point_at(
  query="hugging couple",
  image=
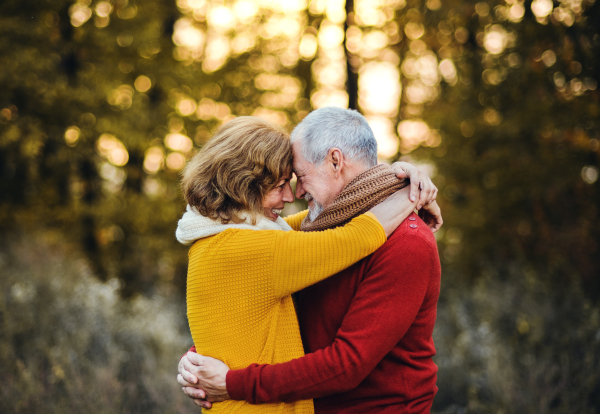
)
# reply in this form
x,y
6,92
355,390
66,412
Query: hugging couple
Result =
x,y
330,310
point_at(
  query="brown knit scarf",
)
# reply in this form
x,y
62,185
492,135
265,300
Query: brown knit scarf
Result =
x,y
359,196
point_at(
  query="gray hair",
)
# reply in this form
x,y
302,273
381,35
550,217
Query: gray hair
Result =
x,y
332,127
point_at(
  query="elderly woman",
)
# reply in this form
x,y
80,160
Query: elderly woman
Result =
x,y
246,261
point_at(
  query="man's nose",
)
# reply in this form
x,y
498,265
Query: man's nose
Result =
x,y
288,194
299,190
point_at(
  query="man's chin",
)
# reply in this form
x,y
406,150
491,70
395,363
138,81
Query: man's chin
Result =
x,y
314,211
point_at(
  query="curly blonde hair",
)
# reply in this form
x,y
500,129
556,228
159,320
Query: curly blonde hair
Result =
x,y
236,168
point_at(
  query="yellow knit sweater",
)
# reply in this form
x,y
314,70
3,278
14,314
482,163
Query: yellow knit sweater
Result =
x,y
239,285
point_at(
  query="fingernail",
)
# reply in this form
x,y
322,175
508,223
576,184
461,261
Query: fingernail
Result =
x,y
412,198
419,207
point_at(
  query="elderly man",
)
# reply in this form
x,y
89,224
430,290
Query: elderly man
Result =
x,y
367,331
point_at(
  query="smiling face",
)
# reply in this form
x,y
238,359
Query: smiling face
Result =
x,y
315,184
275,199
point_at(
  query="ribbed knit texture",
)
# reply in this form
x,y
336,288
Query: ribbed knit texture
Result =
x,y
238,292
360,195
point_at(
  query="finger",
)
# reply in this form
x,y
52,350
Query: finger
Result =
x,y
194,358
190,378
435,193
399,170
188,372
184,383
430,191
414,190
194,392
426,187
421,201
195,363
202,403
401,173
427,190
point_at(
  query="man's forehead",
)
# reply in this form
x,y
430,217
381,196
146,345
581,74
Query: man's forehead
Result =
x,y
300,164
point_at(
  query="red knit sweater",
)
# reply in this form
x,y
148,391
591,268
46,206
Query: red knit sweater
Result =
x,y
367,333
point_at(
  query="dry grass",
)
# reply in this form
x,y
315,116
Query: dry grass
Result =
x,y
70,344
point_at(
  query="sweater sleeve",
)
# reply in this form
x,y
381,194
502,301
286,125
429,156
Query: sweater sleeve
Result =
x,y
384,307
304,258
295,220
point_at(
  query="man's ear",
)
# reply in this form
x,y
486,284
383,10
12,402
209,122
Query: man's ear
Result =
x,y
336,160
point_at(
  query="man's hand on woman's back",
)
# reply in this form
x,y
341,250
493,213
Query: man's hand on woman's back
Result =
x,y
423,189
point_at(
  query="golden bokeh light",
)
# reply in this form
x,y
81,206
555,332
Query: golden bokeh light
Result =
x,y
461,34
308,46
467,129
322,98
206,109
79,13
383,129
178,142
72,135
379,88
186,35
142,83
277,117
371,13
414,30
589,173
495,39
217,52
245,9
482,9
121,97
128,12
549,57
153,160
175,161
448,71
354,39
6,113
492,116
186,107
418,92
330,35
434,5
243,42
111,148
413,132
222,111
104,9
221,18
113,177
124,39
372,43
542,8
516,12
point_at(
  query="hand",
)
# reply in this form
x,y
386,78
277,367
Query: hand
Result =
x,y
418,181
432,216
392,211
189,382
203,379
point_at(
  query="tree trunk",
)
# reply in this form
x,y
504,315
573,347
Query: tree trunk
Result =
x,y
352,78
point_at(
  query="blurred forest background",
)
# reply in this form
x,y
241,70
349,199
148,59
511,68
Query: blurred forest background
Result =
x,y
102,102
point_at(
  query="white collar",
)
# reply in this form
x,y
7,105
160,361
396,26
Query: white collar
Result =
x,y
193,226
